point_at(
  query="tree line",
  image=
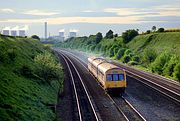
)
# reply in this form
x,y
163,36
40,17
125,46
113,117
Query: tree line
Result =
x,y
116,47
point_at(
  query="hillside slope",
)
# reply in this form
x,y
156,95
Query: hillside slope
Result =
x,y
24,95
160,42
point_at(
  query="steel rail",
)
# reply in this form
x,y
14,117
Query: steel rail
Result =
x,y
75,91
116,105
178,101
87,94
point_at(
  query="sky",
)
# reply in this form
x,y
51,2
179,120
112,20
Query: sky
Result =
x,y
89,16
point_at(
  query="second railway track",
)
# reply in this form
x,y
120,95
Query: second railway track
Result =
x,y
172,94
85,108
131,113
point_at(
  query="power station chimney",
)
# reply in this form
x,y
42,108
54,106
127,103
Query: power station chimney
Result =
x,y
45,30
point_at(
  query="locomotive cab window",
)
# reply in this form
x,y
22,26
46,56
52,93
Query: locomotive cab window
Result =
x,y
121,77
115,77
109,77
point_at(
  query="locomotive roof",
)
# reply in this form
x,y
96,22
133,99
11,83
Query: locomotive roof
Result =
x,y
102,64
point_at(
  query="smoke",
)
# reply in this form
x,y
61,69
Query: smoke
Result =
x,y
15,28
25,27
73,30
6,28
61,30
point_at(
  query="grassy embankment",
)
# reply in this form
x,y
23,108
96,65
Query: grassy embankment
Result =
x,y
25,90
156,52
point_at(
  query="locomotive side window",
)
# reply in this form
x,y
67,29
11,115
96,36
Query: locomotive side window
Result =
x,y
109,77
121,77
115,77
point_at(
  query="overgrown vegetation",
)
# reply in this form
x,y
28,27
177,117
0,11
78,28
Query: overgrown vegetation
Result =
x,y
26,89
158,51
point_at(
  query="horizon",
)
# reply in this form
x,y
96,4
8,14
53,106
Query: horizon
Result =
x,y
90,16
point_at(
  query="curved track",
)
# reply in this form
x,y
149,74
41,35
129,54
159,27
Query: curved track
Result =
x,y
160,84
85,107
122,105
169,88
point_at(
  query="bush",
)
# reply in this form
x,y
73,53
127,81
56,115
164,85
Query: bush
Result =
x,y
11,54
126,58
98,48
99,37
136,58
115,50
112,50
129,35
176,73
148,31
47,67
26,71
132,63
158,65
169,67
92,48
149,56
1,56
120,53
109,34
160,30
128,52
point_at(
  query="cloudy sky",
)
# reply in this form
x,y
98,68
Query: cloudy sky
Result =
x,y
89,16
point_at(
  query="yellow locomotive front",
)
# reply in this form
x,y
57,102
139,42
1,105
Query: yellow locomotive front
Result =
x,y
111,77
115,81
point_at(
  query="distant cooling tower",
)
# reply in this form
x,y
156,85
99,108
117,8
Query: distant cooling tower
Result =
x,y
73,33
22,33
13,32
6,31
61,33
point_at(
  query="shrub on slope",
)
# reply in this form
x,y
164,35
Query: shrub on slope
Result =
x,y
23,96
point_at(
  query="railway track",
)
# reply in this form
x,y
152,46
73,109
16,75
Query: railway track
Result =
x,y
131,113
85,108
123,106
170,89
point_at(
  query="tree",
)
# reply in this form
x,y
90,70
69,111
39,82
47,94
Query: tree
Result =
x,y
120,53
160,30
148,31
47,67
129,35
149,56
126,58
116,35
99,37
154,28
109,34
35,37
160,62
176,73
169,67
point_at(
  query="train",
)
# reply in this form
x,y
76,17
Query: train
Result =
x,y
111,77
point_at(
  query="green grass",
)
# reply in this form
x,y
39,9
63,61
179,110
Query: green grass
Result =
x,y
159,42
22,97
